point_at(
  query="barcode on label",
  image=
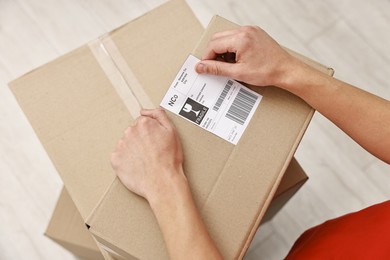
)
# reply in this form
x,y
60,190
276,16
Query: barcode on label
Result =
x,y
241,106
226,89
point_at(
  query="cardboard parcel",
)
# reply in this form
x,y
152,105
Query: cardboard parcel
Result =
x,y
67,228
80,104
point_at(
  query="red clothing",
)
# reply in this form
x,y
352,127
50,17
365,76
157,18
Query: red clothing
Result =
x,y
361,235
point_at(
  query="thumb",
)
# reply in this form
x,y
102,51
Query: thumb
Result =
x,y
214,67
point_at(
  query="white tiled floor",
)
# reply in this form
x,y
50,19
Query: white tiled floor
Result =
x,y
351,36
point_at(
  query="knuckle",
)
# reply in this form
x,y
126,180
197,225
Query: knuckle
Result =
x,y
217,70
160,112
120,145
215,36
245,28
145,124
214,69
128,134
256,28
171,130
114,160
250,28
143,120
245,40
128,131
246,35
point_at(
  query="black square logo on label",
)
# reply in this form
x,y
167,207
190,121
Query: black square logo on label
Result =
x,y
193,111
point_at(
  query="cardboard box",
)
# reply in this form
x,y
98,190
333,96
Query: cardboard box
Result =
x,y
79,105
292,181
67,228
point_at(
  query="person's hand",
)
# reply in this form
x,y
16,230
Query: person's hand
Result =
x,y
149,155
148,160
252,57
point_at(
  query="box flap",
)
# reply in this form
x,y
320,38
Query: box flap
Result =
x,y
70,109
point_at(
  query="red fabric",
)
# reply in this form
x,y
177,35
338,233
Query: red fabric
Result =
x,y
361,235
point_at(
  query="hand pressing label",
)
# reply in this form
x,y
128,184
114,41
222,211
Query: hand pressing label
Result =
x,y
218,104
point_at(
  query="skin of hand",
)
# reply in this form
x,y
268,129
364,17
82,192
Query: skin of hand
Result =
x,y
148,154
149,162
260,61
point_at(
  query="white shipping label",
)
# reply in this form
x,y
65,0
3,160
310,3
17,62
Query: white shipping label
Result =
x,y
218,104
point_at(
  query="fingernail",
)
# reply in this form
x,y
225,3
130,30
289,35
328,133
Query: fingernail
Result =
x,y
200,68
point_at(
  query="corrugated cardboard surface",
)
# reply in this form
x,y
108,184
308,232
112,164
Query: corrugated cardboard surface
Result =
x,y
78,116
70,108
292,180
68,229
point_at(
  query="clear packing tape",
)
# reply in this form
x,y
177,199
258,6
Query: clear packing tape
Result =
x,y
120,75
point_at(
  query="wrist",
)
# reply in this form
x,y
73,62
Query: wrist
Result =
x,y
305,82
174,185
290,74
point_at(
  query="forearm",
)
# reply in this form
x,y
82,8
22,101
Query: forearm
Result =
x,y
363,116
184,232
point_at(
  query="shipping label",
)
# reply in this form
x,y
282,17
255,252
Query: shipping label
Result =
x,y
218,104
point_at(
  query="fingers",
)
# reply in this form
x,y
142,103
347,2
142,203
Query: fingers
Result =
x,y
219,68
228,41
220,45
159,115
230,44
224,44
225,33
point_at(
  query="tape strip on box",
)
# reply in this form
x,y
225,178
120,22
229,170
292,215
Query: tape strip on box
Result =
x,y
120,75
